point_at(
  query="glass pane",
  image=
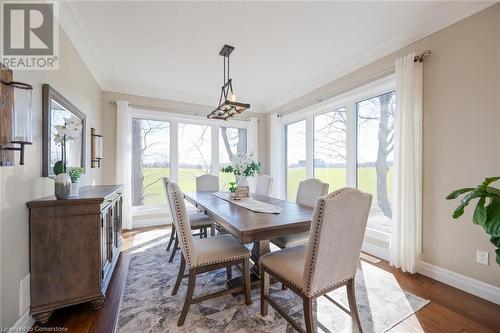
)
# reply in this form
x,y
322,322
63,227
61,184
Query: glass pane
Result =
x,y
375,154
295,157
194,154
151,143
330,149
232,141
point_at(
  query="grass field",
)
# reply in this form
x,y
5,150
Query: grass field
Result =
x,y
336,177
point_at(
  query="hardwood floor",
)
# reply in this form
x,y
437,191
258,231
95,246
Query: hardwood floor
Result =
x,y
450,309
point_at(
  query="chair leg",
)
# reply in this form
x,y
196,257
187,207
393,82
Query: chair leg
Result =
x,y
205,232
189,296
212,230
351,296
308,314
201,233
264,291
229,272
246,277
180,275
174,250
172,237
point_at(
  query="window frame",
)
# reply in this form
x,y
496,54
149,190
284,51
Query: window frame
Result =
x,y
348,98
175,118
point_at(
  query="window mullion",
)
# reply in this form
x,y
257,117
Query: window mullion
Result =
x,y
215,150
174,151
309,146
351,144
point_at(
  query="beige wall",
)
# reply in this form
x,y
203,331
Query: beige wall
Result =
x,y
461,136
20,184
109,124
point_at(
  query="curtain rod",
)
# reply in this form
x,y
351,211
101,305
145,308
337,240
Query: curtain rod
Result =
x,y
151,108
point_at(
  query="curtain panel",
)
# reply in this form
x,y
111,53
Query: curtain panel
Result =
x,y
406,238
124,158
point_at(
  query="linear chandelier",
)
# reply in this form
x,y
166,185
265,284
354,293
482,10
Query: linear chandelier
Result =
x,y
228,106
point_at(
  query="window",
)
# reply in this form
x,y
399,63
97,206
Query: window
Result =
x,y
195,157
295,157
232,141
375,159
151,144
330,148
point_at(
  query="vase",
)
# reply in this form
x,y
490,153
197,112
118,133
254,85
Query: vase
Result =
x,y
74,190
62,186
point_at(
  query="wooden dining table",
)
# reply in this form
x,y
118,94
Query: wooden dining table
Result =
x,y
253,227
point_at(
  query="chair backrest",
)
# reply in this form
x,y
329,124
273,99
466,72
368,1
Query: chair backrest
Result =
x,y
207,183
310,190
165,181
264,185
182,224
337,232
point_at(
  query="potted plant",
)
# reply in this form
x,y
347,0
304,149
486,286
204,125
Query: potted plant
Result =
x,y
74,175
487,211
69,131
243,166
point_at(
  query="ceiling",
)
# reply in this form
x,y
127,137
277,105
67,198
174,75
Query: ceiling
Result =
x,y
283,49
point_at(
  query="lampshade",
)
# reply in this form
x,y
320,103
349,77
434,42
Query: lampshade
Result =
x,y
22,131
98,147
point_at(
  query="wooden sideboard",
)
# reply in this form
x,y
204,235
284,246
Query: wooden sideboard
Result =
x,y
74,246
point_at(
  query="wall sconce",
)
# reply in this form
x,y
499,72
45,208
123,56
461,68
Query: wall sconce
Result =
x,y
15,117
96,151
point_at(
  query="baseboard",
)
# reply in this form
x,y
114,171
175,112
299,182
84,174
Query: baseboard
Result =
x,y
375,250
462,282
23,324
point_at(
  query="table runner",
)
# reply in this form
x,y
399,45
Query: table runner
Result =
x,y
250,203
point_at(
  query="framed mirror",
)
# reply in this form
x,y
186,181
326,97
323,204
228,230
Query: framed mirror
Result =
x,y
63,132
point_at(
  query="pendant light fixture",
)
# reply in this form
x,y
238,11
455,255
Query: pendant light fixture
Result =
x,y
228,106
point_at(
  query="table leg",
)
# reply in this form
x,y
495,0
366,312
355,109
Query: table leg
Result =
x,y
259,249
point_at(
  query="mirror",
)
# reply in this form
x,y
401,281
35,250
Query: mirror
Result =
x,y
63,132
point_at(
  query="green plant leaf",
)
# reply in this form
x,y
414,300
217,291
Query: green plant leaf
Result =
x,y
465,201
497,251
479,216
489,180
455,194
492,225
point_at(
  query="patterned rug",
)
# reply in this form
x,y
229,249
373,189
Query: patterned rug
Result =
x,y
147,304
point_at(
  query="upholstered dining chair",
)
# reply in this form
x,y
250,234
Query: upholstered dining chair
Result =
x,y
203,255
199,221
329,260
264,185
308,192
207,183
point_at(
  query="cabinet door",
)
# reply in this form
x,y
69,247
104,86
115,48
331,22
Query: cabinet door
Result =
x,y
103,247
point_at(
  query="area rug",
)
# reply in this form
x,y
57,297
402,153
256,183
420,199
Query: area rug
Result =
x,y
147,304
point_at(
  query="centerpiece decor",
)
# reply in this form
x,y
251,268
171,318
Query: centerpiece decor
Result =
x,y
243,166
69,131
487,211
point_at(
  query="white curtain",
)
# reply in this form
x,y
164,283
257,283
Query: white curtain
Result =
x,y
124,158
406,242
276,154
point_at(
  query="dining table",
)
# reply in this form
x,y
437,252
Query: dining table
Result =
x,y
251,227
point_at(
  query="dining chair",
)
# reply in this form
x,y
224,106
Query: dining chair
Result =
x,y
207,183
203,255
327,262
264,185
307,194
199,221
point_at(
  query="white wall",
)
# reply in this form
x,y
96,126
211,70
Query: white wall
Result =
x,y
20,184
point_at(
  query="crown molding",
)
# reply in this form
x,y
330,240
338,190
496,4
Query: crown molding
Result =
x,y
71,24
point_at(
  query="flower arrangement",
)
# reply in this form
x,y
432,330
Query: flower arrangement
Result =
x,y
243,165
69,131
